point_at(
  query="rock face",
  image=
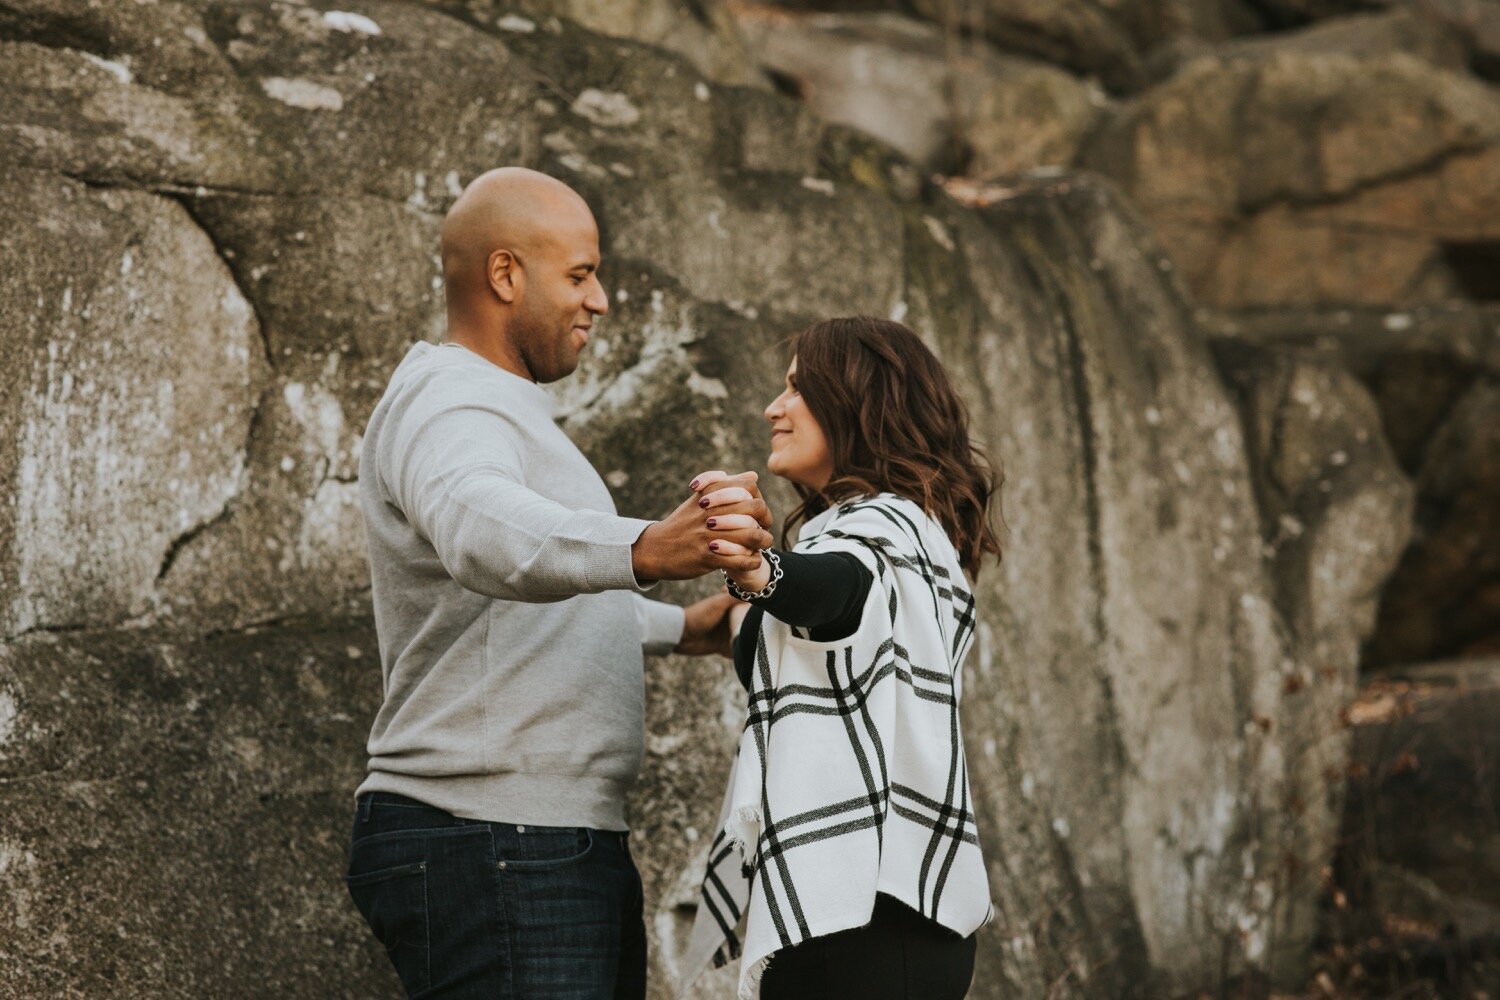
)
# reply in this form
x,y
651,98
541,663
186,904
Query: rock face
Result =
x,y
1446,594
1420,838
952,106
1290,177
1148,697
1109,41
132,372
176,813
1433,376
700,31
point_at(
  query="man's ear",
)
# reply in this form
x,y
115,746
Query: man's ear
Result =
x,y
504,273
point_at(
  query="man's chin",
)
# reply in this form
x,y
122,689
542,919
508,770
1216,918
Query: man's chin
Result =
x,y
561,372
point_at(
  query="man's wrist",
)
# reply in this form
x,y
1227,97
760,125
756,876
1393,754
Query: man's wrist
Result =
x,y
642,557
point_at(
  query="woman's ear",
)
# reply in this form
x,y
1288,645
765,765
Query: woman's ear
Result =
x,y
504,273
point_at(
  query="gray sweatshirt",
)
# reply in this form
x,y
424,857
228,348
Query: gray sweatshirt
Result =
x,y
510,633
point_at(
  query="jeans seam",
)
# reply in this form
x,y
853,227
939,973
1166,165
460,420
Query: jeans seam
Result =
x,y
426,933
508,973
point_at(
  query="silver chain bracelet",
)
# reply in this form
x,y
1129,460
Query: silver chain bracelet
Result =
x,y
734,589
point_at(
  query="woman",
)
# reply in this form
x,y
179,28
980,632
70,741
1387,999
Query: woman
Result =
x,y
848,862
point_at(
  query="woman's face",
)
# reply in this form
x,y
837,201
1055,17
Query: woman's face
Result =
x,y
799,448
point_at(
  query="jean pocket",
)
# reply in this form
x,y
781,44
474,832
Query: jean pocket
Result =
x,y
543,848
393,902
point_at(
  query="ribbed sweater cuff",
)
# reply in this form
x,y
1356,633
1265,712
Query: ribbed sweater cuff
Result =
x,y
609,563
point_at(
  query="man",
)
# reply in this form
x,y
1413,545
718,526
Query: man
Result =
x,y
489,853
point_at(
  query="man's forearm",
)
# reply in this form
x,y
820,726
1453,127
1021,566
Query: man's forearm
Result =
x,y
537,551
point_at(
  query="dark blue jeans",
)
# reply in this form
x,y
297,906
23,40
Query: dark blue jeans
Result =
x,y
469,909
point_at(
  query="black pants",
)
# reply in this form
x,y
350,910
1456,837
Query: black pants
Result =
x,y
898,955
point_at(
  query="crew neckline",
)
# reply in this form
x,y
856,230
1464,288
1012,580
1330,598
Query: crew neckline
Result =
x,y
459,350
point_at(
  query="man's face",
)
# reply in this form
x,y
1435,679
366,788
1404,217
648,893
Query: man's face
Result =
x,y
559,300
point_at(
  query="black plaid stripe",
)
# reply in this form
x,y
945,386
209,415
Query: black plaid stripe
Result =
x,y
857,738
796,699
726,909
963,819
926,815
959,814
761,729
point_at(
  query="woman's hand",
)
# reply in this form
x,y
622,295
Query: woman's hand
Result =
x,y
736,620
709,626
725,500
681,546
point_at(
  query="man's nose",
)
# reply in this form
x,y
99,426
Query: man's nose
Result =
x,y
597,301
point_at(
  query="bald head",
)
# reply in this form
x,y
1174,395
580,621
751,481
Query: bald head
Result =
x,y
520,252
511,208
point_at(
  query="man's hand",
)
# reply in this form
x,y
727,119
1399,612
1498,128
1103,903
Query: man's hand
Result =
x,y
706,628
683,545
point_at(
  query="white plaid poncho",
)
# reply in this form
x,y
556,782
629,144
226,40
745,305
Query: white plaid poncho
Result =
x,y
850,777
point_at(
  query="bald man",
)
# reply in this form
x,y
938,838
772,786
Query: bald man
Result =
x,y
489,852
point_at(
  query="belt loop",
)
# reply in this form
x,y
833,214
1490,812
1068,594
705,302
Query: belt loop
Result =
x,y
364,806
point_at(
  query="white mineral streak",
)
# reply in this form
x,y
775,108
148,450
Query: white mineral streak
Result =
x,y
343,20
321,416
332,535
939,233
118,70
516,23
8,715
304,94
612,110
705,386
18,874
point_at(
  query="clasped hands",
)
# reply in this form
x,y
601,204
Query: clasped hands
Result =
x,y
722,525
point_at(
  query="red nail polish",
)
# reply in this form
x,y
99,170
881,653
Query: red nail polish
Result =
x,y
712,522
693,485
703,502
713,546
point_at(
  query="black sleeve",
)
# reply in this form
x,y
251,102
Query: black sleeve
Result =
x,y
823,592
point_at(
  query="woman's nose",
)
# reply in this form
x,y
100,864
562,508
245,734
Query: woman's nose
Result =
x,y
773,411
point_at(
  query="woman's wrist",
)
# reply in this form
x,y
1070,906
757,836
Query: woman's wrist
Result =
x,y
749,585
752,580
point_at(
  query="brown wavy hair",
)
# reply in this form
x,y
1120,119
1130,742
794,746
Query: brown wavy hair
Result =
x,y
895,425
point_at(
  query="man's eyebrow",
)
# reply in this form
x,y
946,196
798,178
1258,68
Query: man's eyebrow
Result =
x,y
585,266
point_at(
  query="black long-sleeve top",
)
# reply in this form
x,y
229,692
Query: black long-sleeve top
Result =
x,y
824,592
